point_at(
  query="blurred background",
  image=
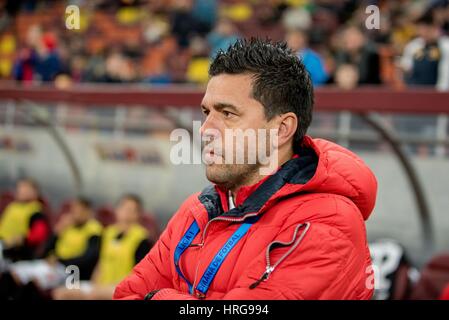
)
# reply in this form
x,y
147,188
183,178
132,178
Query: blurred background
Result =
x,y
89,110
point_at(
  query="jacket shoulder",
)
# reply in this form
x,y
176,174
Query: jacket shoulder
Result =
x,y
189,204
190,208
336,212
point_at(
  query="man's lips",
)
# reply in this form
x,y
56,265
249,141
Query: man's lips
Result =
x,y
211,155
212,151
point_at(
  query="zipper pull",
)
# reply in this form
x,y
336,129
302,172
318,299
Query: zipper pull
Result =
x,y
264,277
194,245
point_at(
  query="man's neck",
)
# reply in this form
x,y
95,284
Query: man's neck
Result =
x,y
124,226
256,176
82,222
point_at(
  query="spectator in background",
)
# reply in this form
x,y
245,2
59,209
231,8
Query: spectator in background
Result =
x,y
8,11
24,66
223,36
355,49
123,245
184,24
425,60
39,60
205,12
154,28
76,239
198,68
440,10
23,225
297,40
95,67
119,68
76,242
346,76
7,52
48,64
296,18
403,30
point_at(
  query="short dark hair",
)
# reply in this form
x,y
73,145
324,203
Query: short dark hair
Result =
x,y
84,201
135,198
281,82
31,182
426,19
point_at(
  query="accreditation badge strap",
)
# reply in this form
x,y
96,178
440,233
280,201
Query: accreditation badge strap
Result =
x,y
214,266
216,263
182,246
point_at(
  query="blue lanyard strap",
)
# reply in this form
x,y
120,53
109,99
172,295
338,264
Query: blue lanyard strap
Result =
x,y
182,246
217,261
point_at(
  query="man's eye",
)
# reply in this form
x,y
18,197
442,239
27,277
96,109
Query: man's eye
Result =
x,y
227,114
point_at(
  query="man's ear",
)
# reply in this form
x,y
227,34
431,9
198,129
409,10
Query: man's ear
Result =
x,y
287,125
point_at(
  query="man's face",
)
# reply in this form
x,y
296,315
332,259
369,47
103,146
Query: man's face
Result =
x,y
296,41
79,213
228,105
127,211
25,191
353,40
428,32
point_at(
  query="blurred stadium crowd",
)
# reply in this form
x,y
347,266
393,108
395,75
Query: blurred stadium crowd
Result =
x,y
171,41
40,248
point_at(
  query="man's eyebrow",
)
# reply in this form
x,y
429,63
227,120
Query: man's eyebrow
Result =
x,y
222,105
219,106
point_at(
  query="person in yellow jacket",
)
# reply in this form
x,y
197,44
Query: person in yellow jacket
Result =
x,y
23,225
123,245
75,244
76,239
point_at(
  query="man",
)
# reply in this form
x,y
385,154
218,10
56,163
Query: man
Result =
x,y
425,60
297,233
76,243
123,244
23,225
355,49
76,239
297,40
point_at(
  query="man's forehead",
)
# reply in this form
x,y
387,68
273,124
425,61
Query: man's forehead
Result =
x,y
230,89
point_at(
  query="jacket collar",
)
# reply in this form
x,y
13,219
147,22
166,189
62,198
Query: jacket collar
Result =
x,y
254,198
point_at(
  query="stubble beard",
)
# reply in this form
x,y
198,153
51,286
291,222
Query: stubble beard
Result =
x,y
231,176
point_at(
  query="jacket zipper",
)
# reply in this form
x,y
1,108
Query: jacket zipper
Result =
x,y
270,268
203,240
223,219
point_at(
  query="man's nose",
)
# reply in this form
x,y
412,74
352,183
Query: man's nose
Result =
x,y
209,125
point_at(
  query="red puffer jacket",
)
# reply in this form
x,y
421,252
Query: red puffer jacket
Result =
x,y
297,234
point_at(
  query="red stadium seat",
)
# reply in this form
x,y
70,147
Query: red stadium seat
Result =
x,y
63,208
434,278
149,222
105,215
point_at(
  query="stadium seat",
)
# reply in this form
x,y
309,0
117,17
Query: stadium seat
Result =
x,y
105,215
434,278
63,208
149,222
